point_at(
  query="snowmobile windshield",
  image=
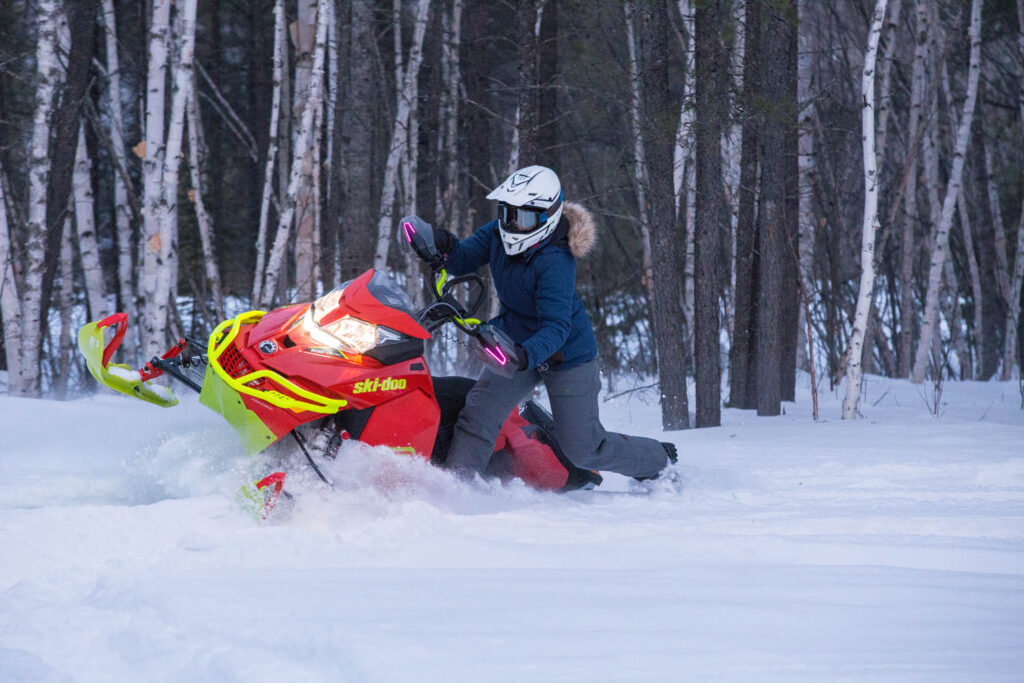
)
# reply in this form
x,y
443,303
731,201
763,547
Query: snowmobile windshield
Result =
x,y
387,291
328,302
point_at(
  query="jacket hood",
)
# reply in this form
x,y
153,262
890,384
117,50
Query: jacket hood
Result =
x,y
582,229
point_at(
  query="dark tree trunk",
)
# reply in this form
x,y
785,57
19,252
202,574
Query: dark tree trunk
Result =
x,y
529,81
547,107
772,220
711,110
64,143
659,128
790,293
742,385
359,206
477,36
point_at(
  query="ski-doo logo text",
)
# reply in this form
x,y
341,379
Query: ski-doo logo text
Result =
x,y
369,386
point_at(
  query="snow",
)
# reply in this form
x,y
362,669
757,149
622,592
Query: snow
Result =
x,y
886,549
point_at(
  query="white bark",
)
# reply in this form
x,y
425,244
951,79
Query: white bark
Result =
x,y
202,216
303,141
153,251
410,159
807,169
967,369
85,227
304,36
683,150
867,250
268,174
399,136
10,308
333,78
48,72
939,248
122,216
639,158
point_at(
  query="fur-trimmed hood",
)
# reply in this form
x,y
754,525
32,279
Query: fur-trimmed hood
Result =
x,y
582,231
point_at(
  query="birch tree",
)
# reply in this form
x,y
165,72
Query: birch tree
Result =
x,y
202,215
122,216
939,248
399,136
304,37
268,173
48,75
303,141
155,254
870,225
85,231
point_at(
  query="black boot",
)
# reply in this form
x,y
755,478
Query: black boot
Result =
x,y
673,458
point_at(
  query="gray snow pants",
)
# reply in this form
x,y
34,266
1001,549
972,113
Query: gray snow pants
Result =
x,y
573,396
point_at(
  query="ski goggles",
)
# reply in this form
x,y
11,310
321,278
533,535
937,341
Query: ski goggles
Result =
x,y
523,219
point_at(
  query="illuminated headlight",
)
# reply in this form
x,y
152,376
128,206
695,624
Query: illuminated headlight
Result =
x,y
349,334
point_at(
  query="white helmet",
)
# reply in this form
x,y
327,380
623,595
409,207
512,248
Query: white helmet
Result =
x,y
529,207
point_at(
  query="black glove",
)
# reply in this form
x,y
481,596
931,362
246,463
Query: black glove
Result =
x,y
445,241
524,358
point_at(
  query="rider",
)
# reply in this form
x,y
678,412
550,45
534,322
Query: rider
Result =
x,y
532,249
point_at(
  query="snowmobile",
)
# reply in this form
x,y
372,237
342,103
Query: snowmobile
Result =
x,y
349,365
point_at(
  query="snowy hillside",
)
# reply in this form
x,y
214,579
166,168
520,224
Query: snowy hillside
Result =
x,y
886,549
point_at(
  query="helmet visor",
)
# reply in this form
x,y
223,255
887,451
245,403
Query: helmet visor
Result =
x,y
518,219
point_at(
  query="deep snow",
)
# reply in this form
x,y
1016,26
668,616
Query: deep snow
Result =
x,y
886,549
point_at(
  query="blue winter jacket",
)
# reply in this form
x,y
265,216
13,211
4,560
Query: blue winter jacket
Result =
x,y
540,309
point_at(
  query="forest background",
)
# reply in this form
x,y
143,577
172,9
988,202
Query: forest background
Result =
x,y
832,185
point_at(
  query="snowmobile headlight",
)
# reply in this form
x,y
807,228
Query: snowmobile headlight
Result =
x,y
350,335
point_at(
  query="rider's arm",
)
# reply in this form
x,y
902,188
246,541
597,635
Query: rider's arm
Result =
x,y
472,252
556,285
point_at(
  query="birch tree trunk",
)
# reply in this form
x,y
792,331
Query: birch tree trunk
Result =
x,y
182,81
303,141
304,37
938,256
202,216
85,227
154,253
122,215
268,173
10,308
867,249
807,169
399,137
48,71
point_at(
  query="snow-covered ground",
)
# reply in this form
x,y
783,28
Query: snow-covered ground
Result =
x,y
886,549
